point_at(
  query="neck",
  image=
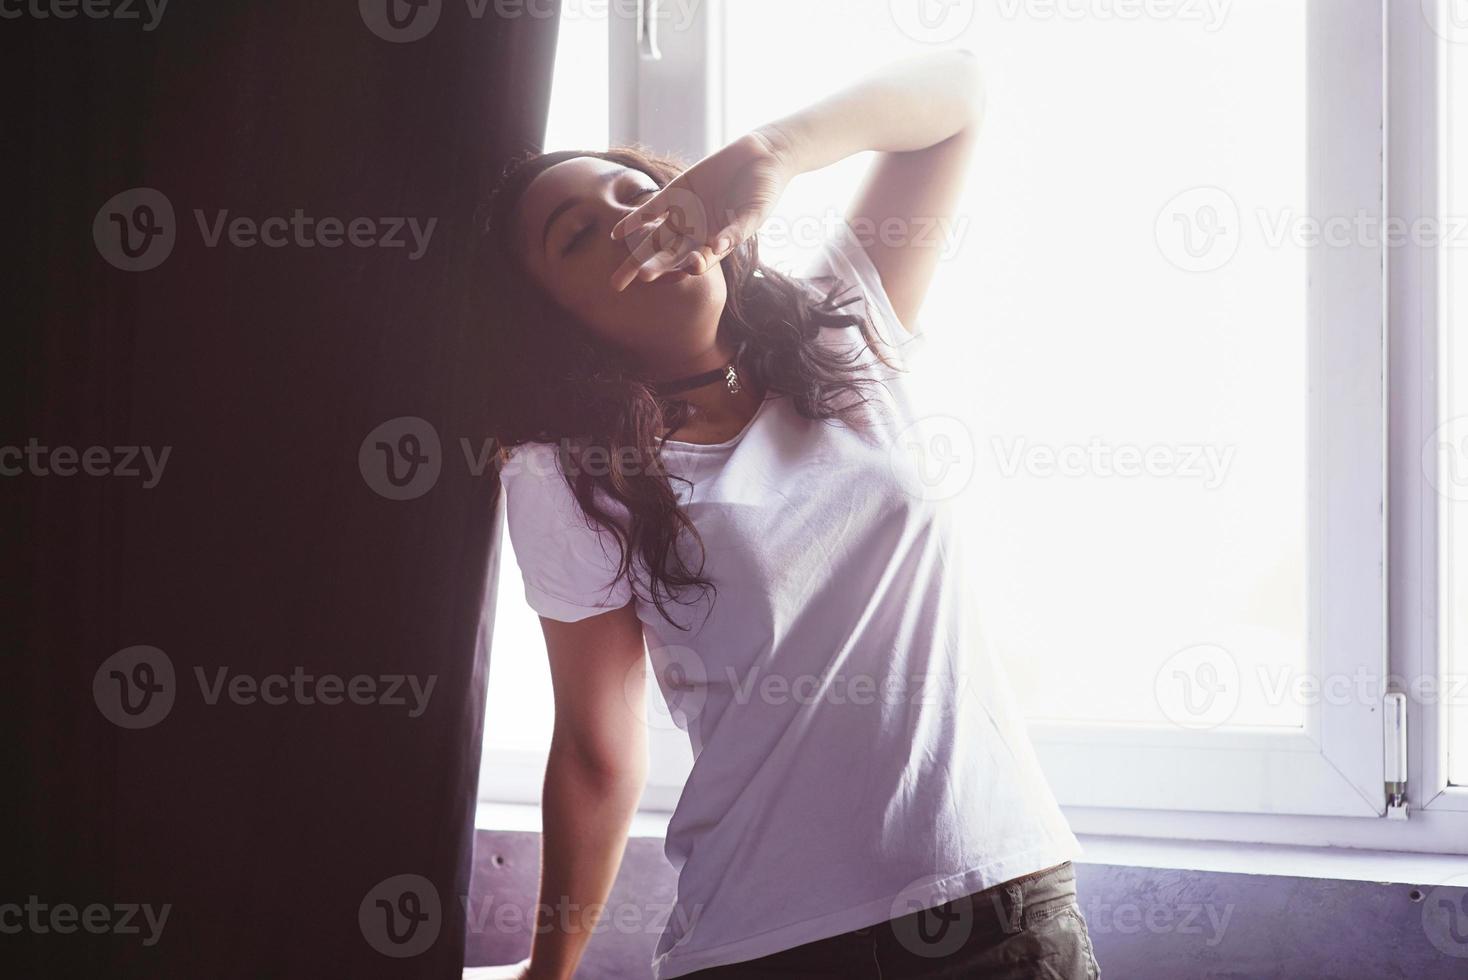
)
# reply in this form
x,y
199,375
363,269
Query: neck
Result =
x,y
718,355
711,401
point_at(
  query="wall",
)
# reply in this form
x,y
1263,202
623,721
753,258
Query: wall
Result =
x,y
1145,923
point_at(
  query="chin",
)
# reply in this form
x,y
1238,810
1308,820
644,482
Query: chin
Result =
x,y
688,298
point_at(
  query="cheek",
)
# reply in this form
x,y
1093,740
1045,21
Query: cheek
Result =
x,y
599,306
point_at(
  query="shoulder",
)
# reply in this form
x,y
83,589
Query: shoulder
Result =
x,y
840,255
534,478
530,462
569,564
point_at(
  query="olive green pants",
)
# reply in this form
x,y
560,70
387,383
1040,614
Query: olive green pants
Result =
x,y
1030,928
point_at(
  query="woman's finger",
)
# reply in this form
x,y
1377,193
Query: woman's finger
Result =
x,y
641,252
660,252
737,231
706,257
645,214
668,260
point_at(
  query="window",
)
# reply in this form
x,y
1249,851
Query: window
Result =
x,y
1167,301
1132,283
1452,438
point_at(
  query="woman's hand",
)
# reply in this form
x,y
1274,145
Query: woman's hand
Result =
x,y
708,210
511,971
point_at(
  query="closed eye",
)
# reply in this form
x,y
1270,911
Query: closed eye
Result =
x,y
585,233
578,238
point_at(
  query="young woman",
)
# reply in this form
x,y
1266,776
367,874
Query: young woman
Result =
x,y
712,461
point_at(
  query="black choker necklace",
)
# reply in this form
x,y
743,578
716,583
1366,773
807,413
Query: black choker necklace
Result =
x,y
728,373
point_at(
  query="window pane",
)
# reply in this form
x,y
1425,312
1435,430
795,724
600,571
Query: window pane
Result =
x,y
579,104
519,709
1120,327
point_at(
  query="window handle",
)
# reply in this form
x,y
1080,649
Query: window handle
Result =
x,y
647,30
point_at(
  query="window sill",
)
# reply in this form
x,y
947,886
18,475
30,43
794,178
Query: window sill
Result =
x,y
525,818
1295,861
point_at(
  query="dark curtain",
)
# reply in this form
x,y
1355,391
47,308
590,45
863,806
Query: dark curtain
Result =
x,y
211,663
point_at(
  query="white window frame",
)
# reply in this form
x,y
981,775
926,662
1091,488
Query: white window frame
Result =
x,y
1374,588
1418,285
1411,280
1335,765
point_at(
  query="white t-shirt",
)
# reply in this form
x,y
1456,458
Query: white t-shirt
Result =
x,y
858,752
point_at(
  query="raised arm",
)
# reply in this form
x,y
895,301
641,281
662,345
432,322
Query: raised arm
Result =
x,y
922,115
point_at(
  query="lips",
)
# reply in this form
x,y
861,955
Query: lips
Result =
x,y
635,241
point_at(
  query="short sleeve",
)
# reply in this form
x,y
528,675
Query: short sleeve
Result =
x,y
841,254
569,565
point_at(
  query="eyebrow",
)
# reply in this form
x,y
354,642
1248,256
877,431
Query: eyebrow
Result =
x,y
606,178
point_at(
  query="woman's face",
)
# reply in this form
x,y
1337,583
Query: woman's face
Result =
x,y
566,217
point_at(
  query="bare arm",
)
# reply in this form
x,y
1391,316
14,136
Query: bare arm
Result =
x,y
923,115
593,780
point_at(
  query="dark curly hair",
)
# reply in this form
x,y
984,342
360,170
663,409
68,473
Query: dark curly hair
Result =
x,y
554,381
